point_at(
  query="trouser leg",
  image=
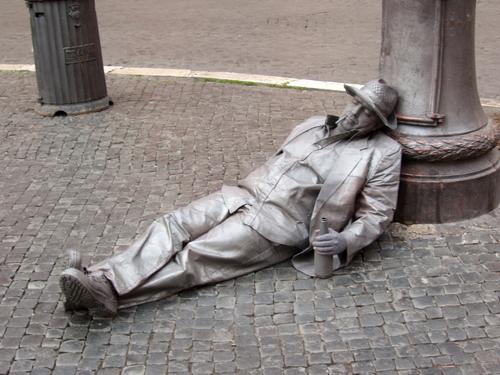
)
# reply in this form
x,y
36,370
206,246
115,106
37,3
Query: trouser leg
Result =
x,y
228,250
163,239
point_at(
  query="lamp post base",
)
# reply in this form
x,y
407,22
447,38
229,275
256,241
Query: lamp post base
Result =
x,y
447,191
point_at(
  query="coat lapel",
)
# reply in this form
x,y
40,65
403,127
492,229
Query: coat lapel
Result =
x,y
344,165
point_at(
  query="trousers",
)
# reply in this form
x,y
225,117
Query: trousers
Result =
x,y
202,243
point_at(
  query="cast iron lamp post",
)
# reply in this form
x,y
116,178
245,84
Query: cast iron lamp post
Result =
x,y
451,167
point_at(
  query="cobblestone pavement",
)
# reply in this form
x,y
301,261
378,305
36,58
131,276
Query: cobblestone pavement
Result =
x,y
423,299
332,40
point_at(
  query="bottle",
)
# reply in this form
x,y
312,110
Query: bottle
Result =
x,y
323,264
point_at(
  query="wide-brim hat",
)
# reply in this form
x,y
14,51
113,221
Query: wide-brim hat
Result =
x,y
378,96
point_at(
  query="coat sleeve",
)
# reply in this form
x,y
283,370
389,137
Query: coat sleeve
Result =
x,y
375,205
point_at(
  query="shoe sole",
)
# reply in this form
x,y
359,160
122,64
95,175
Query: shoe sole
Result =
x,y
79,296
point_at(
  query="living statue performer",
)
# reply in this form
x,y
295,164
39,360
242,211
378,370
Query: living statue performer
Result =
x,y
344,169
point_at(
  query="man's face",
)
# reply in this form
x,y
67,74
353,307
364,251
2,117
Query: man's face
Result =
x,y
358,117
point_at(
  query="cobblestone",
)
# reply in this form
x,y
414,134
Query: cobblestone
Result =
x,y
407,306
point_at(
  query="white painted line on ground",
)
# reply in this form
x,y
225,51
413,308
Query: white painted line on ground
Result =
x,y
155,72
17,67
111,68
226,76
490,103
319,85
242,77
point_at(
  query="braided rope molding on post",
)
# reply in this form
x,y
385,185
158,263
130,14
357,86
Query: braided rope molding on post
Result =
x,y
450,148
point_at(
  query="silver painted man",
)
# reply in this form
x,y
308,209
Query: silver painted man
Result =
x,y
345,170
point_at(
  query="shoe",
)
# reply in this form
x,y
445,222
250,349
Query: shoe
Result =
x,y
88,291
74,259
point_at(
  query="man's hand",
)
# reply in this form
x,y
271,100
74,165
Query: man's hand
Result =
x,y
331,243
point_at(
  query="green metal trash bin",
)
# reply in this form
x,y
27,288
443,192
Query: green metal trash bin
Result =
x,y
68,59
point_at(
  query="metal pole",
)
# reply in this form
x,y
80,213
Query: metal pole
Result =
x,y
451,167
